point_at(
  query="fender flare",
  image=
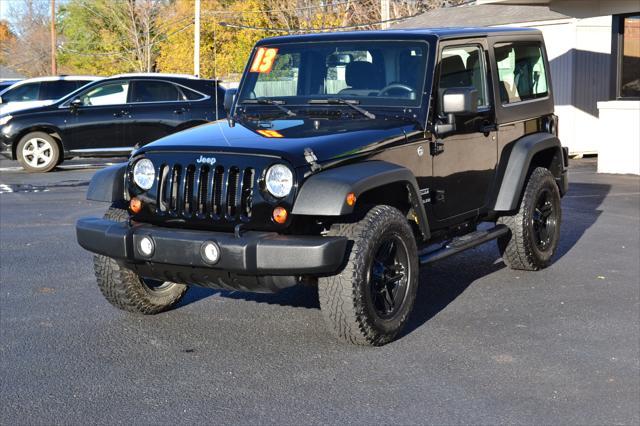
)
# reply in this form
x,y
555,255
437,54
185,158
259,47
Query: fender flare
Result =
x,y
517,168
324,193
108,184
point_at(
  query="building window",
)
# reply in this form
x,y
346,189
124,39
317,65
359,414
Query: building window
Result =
x,y
628,57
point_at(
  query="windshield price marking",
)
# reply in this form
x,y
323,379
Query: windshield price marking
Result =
x,y
263,61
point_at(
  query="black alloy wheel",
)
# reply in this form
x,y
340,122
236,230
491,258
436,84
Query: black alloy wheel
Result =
x,y
388,277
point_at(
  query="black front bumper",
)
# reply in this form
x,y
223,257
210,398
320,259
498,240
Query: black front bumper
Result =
x,y
254,261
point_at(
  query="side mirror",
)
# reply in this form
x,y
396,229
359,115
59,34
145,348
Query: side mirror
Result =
x,y
460,101
229,98
457,101
75,104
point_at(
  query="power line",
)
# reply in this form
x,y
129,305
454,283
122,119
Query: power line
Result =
x,y
301,30
122,52
297,9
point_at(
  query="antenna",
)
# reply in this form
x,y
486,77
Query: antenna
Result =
x,y
215,69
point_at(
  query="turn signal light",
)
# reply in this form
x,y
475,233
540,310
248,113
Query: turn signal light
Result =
x,y
135,205
280,215
351,199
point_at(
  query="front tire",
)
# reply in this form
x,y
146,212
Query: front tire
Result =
x,y
38,152
535,229
126,290
369,301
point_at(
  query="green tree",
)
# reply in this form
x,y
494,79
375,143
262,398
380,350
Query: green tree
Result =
x,y
107,36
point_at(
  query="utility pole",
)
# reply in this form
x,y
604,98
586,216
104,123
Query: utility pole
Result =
x,y
384,14
54,68
196,41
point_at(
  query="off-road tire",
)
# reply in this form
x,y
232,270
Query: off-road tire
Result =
x,y
126,290
345,304
519,249
53,156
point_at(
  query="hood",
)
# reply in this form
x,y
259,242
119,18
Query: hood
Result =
x,y
19,106
330,139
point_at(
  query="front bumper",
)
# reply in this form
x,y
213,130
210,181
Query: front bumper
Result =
x,y
5,145
254,261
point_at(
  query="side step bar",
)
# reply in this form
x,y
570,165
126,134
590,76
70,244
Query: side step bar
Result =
x,y
462,243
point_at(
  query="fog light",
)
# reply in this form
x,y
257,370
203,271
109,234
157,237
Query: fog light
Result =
x,y
280,215
351,199
135,205
210,252
146,246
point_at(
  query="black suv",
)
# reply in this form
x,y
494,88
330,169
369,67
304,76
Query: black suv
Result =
x,y
348,161
109,117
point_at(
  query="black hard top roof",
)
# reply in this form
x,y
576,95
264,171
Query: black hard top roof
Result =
x,y
404,34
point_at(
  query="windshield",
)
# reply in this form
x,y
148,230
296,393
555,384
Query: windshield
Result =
x,y
369,73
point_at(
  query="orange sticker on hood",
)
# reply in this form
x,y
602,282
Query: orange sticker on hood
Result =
x,y
270,133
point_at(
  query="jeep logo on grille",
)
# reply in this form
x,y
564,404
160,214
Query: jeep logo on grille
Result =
x,y
206,160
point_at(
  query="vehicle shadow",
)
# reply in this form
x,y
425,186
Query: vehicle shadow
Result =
x,y
580,211
443,282
299,296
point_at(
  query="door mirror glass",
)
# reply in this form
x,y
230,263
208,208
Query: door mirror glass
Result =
x,y
229,98
460,101
457,101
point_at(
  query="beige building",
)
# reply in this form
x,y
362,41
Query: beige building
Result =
x,y
594,55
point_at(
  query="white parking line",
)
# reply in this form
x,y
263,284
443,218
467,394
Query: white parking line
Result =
x,y
69,167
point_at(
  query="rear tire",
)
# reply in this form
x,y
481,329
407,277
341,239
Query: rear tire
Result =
x,y
535,229
369,301
38,152
126,290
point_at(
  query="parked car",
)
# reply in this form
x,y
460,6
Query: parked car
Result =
x,y
6,83
393,149
109,118
40,91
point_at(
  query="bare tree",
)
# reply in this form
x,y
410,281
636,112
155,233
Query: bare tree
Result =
x,y
29,52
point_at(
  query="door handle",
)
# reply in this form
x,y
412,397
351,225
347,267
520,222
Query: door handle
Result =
x,y
179,111
120,113
487,128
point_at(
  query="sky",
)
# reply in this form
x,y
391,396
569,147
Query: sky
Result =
x,y
7,6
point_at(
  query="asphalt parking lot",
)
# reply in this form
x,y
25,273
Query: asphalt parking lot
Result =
x,y
486,344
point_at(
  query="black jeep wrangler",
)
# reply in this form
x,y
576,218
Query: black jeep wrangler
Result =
x,y
348,161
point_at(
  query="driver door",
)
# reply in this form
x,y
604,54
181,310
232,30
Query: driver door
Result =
x,y
98,123
464,160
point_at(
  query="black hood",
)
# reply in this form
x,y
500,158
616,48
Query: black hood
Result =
x,y
330,139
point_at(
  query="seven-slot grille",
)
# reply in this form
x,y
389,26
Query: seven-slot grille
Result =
x,y
205,191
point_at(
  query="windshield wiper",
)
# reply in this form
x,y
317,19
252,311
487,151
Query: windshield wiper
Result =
x,y
348,102
267,101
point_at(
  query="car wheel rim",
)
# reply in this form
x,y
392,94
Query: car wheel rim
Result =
x,y
156,286
37,153
544,220
389,276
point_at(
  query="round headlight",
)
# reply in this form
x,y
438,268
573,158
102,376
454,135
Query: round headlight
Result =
x,y
144,173
279,180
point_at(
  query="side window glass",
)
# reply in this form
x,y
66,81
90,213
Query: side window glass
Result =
x,y
464,66
52,90
521,72
113,93
26,92
154,91
190,95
